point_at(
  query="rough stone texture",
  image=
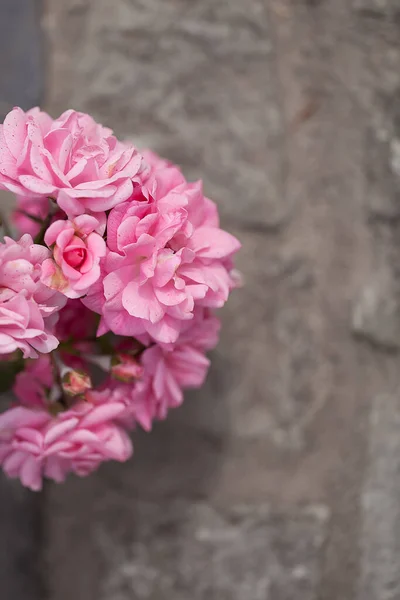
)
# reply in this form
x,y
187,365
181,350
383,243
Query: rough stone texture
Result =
x,y
376,315
288,109
219,53
380,540
191,550
378,8
21,69
20,542
20,517
20,526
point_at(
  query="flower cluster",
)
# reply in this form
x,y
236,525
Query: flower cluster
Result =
x,y
107,298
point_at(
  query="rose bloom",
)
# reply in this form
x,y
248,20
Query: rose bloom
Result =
x,y
77,250
72,159
34,444
166,255
28,309
167,372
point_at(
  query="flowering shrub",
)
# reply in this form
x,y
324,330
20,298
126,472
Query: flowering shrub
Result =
x,y
107,296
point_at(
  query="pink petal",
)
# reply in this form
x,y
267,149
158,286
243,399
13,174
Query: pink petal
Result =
x,y
102,414
36,185
56,468
14,129
22,417
85,224
31,473
119,446
7,161
169,295
141,302
38,165
165,331
209,242
13,462
60,429
59,143
96,245
55,229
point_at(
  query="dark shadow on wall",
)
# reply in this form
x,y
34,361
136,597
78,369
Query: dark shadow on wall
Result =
x,y
20,541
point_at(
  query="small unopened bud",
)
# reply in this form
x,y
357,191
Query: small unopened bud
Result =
x,y
75,382
125,368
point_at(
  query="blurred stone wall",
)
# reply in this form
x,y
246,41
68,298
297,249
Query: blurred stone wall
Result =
x,y
21,83
280,479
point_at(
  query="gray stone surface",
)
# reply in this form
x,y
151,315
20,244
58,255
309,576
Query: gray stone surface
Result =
x,y
20,540
378,8
288,109
21,82
20,546
21,68
173,548
376,314
164,71
380,539
206,554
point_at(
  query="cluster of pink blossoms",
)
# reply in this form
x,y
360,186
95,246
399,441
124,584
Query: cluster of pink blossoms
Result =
x,y
106,300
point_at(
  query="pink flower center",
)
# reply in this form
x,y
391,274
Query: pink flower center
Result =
x,y
75,258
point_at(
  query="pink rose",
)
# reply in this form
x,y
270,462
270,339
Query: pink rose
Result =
x,y
169,371
77,250
28,309
73,159
160,177
166,372
166,256
202,332
34,445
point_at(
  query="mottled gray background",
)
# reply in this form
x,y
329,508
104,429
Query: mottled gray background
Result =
x,y
280,480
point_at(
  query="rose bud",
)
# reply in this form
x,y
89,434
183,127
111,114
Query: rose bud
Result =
x,y
76,382
125,368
